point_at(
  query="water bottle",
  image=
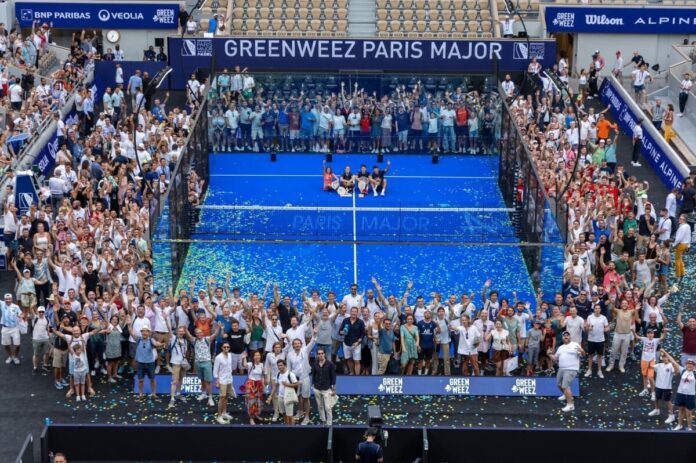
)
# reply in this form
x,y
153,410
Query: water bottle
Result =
x,y
48,421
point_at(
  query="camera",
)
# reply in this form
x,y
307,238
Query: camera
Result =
x,y
375,423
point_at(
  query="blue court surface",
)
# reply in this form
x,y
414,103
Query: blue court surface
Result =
x,y
272,222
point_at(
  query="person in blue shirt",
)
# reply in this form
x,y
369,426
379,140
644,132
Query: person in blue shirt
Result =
x,y
212,25
426,331
307,120
223,81
11,316
283,128
226,320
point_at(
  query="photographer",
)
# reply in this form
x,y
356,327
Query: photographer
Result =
x,y
369,451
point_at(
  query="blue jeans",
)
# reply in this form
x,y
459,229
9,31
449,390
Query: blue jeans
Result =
x,y
448,138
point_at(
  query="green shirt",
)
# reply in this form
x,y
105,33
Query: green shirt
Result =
x,y
598,156
621,266
630,223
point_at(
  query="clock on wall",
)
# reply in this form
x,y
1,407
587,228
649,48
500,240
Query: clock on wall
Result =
x,y
113,36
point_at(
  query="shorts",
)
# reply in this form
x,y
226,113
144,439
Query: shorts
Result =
x,y
256,132
162,337
473,133
205,370
146,369
685,400
10,336
461,130
294,134
306,133
351,352
323,133
500,355
663,394
638,88
60,358
8,238
304,390
286,408
80,377
338,132
595,348
41,347
416,133
403,136
227,390
177,371
647,368
283,128
533,354
565,377
426,353
236,361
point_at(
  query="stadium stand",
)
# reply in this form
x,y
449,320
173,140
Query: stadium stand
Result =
x,y
300,18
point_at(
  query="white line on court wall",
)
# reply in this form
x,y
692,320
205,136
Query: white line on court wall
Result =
x,y
355,208
463,177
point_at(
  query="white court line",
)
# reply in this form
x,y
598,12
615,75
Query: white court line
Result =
x,y
457,177
354,209
355,243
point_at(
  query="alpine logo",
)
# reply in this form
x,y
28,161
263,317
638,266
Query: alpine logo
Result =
x,y
602,20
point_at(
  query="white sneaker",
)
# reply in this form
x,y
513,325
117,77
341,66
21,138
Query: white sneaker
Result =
x,y
568,408
622,370
588,373
382,193
157,369
654,412
211,402
103,371
361,195
600,374
652,396
172,404
644,393
680,115
609,368
84,399
227,416
8,360
93,373
638,164
677,428
561,398
169,369
78,398
221,419
112,380
275,417
15,360
306,421
670,419
202,396
374,193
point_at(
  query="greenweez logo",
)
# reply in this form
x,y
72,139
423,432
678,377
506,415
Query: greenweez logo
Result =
x,y
524,386
191,385
391,386
458,386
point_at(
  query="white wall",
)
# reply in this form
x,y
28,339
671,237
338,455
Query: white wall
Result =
x,y
654,48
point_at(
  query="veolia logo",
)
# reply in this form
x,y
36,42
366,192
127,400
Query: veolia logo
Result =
x,y
105,15
603,20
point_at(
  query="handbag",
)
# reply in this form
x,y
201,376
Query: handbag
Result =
x,y
290,394
23,326
185,364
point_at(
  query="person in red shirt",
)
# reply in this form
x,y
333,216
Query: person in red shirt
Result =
x,y
689,337
461,126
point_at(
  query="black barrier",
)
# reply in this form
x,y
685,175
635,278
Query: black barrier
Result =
x,y
26,454
561,445
313,443
188,442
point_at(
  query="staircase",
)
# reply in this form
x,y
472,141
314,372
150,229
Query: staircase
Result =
x,y
362,18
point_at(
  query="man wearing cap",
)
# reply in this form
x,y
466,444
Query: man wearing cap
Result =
x,y
40,340
11,315
567,357
686,392
145,355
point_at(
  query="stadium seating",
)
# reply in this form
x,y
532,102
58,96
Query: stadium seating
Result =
x,y
298,18
434,18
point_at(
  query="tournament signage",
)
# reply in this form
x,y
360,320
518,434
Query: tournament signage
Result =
x,y
621,20
651,149
98,15
406,385
295,54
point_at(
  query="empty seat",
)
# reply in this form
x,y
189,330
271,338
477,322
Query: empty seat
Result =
x,y
315,25
316,13
395,25
238,13
483,4
264,13
460,26
473,25
381,14
342,13
382,25
290,13
237,24
341,27
420,26
290,25
484,15
447,26
486,26
329,25
434,26
420,14
408,26
277,24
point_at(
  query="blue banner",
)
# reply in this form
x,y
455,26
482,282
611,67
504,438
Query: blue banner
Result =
x,y
25,194
326,54
653,152
98,15
621,20
46,158
405,385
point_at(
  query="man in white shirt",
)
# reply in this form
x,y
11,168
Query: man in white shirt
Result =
x,y
637,143
508,86
298,362
682,241
664,374
353,299
596,326
222,372
664,226
684,90
617,70
568,358
640,76
508,27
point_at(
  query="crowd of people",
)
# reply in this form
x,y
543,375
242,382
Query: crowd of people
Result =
x,y
622,243
86,296
352,120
